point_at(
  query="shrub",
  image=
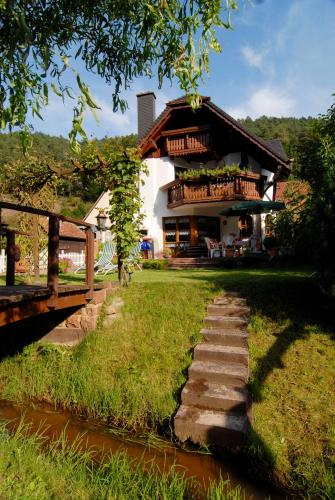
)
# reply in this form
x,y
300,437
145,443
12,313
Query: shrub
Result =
x,y
271,242
64,264
155,264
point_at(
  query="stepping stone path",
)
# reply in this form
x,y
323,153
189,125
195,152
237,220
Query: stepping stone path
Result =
x,y
216,407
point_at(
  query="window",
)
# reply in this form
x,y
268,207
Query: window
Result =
x,y
170,229
184,229
268,225
177,233
245,226
244,161
181,232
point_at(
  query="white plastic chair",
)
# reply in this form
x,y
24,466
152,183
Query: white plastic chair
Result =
x,y
212,247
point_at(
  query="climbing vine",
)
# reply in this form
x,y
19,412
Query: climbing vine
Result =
x,y
123,172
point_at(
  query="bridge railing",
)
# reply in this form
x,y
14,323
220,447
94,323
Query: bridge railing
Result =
x,y
54,238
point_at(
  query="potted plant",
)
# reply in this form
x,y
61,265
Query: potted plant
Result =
x,y
65,265
167,253
271,245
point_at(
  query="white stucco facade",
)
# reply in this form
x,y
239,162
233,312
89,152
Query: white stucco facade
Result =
x,y
161,171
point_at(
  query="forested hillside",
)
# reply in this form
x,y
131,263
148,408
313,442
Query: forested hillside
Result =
x,y
77,192
56,148
288,130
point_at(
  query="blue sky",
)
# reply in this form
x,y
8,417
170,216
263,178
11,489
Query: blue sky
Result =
x,y
278,61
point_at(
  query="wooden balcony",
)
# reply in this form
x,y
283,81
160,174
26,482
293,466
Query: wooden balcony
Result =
x,y
247,186
192,140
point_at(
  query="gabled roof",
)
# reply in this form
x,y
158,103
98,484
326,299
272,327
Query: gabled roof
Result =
x,y
272,148
277,147
182,101
69,230
300,189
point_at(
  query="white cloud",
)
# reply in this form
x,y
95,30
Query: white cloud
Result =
x,y
264,101
119,121
253,58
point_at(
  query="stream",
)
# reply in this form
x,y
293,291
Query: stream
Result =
x,y
204,468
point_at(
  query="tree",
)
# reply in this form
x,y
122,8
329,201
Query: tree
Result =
x,y
36,187
121,170
316,164
116,39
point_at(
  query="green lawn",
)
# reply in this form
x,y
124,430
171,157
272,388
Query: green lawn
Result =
x,y
132,373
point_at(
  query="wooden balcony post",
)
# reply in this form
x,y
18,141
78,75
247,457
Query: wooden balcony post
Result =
x,y
53,251
90,261
10,251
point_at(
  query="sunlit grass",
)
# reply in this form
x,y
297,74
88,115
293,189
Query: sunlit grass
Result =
x,y
132,372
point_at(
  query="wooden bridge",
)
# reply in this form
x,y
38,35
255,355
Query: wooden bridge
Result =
x,y
19,302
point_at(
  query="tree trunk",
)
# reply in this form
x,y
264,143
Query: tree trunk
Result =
x,y
119,260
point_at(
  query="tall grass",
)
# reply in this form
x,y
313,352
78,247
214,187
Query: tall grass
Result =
x,y
30,469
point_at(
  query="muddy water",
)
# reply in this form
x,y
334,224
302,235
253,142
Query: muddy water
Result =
x,y
102,442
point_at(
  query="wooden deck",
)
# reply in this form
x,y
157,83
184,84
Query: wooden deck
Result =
x,y
19,302
23,301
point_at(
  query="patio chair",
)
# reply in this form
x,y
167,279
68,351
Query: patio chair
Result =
x,y
104,263
212,247
132,260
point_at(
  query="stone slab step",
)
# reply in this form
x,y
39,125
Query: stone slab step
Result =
x,y
190,266
233,375
230,300
214,352
64,336
228,310
214,397
210,427
228,323
223,337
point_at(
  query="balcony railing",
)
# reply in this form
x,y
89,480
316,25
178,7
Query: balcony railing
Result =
x,y
191,140
190,143
246,186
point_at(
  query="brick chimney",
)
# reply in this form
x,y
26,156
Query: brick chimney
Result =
x,y
146,114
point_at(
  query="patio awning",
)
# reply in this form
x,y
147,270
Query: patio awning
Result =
x,y
252,207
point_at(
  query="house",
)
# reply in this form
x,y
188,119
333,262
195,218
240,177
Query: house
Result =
x,y
182,207
72,241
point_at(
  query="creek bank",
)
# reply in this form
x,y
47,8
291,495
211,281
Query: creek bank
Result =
x,y
103,441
